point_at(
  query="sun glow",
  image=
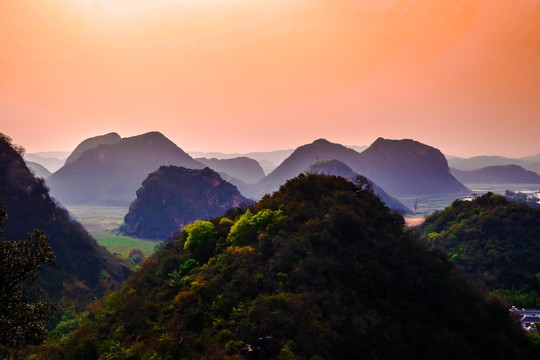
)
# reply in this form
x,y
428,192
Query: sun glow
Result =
x,y
136,7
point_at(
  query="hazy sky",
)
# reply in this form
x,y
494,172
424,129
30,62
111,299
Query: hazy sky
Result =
x,y
252,75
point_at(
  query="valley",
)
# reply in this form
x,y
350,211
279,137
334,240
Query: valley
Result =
x,y
103,223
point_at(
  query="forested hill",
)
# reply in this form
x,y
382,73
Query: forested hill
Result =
x,y
29,207
173,196
495,240
321,269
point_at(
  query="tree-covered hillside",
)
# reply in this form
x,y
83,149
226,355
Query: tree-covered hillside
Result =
x,y
337,168
495,240
321,269
79,259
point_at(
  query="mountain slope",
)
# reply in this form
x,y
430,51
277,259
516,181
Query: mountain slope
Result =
x,y
29,207
299,161
337,168
241,168
407,168
111,173
172,197
91,143
51,163
400,167
38,169
499,174
319,270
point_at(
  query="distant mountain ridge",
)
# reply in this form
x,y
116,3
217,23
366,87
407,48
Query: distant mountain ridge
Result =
x,y
268,160
400,167
52,161
498,174
300,160
242,168
38,169
110,174
337,168
408,168
92,143
173,196
477,162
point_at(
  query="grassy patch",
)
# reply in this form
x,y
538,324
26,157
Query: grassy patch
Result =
x,y
122,245
102,222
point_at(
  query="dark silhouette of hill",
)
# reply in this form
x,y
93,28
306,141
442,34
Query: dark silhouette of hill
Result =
x,y
241,168
320,269
408,168
499,174
172,197
38,170
337,168
29,207
91,143
111,173
400,167
495,240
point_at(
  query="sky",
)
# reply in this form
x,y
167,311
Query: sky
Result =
x,y
259,75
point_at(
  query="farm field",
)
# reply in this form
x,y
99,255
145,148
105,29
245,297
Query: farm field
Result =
x,y
102,222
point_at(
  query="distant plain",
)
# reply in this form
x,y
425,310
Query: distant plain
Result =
x,y
103,222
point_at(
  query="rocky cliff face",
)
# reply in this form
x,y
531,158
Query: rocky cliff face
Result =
x,y
172,197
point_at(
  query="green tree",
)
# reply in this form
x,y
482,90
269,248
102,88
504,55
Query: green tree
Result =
x,y
22,309
201,239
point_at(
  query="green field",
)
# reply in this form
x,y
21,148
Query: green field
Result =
x,y
102,222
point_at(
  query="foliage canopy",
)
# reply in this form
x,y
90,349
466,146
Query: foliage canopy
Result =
x,y
326,271
495,240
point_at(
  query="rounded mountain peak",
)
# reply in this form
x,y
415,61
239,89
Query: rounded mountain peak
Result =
x,y
321,141
92,143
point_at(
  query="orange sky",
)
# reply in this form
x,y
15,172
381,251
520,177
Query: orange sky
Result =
x,y
250,75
